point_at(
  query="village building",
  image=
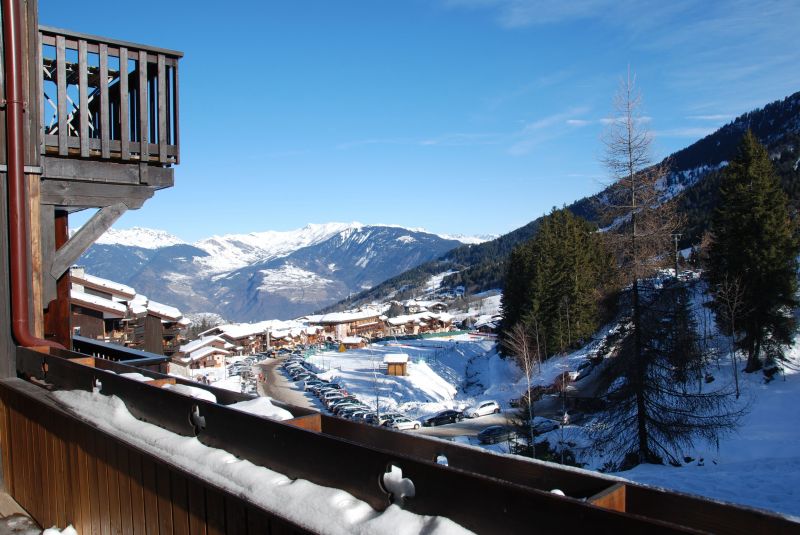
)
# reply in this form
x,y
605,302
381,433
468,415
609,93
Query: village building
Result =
x,y
353,342
367,323
415,306
396,364
488,324
421,323
245,338
105,310
204,356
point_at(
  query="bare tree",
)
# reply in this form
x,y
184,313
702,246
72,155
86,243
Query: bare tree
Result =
x,y
730,294
526,351
642,225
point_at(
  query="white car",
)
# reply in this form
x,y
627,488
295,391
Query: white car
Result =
x,y
482,409
404,423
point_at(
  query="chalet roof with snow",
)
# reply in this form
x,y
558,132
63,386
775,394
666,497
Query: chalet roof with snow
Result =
x,y
424,304
348,317
420,318
395,358
81,278
203,352
100,304
194,345
165,312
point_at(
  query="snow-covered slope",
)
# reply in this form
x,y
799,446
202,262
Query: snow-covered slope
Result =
x,y
234,251
145,238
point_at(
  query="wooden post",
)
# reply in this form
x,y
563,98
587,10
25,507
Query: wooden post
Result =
x,y
58,321
34,224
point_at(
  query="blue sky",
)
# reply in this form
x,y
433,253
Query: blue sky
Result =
x,y
460,116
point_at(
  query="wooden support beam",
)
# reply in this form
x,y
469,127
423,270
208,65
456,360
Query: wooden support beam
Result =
x,y
47,224
612,498
61,310
70,194
85,237
108,172
34,226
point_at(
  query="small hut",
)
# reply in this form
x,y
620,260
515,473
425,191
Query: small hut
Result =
x,y
396,364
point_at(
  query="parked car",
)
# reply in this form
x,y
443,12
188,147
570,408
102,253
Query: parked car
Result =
x,y
385,418
444,417
311,382
482,409
328,388
300,377
371,419
494,434
349,412
544,425
329,397
402,423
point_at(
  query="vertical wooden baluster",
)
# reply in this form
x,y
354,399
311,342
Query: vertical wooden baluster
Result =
x,y
105,123
61,73
83,89
175,112
162,110
124,112
144,150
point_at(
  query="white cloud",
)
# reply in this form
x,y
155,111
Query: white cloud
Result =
x,y
711,117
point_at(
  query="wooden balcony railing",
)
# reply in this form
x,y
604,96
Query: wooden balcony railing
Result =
x,y
62,469
108,99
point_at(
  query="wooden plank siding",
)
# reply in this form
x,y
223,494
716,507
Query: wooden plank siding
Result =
x,y
62,471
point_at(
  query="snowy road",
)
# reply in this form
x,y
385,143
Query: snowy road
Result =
x,y
277,386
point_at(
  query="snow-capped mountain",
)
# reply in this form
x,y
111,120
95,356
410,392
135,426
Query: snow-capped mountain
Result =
x,y
144,238
234,251
262,274
470,240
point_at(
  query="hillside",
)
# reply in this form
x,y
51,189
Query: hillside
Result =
x,y
693,177
245,277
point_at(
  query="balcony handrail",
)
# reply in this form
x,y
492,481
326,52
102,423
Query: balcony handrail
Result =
x,y
482,492
114,42
100,108
116,353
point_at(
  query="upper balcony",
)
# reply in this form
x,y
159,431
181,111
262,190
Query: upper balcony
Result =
x,y
110,100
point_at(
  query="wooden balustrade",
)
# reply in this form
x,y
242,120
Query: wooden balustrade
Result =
x,y
107,99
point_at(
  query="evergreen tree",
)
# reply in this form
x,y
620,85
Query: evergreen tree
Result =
x,y
555,281
678,407
754,242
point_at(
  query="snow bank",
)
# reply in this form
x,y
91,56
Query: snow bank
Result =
x,y
136,376
317,508
262,406
192,391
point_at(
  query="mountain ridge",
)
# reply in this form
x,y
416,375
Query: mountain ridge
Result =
x,y
693,176
245,277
